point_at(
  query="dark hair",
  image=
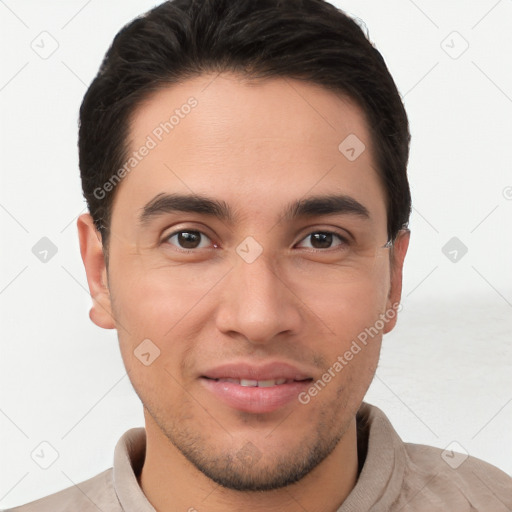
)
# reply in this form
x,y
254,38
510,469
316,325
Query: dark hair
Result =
x,y
309,40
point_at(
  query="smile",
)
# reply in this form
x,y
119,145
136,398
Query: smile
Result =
x,y
251,383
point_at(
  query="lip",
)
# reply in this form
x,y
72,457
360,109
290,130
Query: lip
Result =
x,y
256,400
268,371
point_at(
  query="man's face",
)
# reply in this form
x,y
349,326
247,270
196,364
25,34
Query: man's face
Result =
x,y
258,283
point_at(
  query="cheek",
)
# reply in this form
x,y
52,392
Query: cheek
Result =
x,y
153,299
349,318
165,305
149,307
351,350
345,307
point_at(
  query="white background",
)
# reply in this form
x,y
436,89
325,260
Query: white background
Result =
x,y
445,373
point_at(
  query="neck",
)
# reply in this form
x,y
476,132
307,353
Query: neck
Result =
x,y
171,483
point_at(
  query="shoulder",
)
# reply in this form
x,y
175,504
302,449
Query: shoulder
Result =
x,y
440,477
92,495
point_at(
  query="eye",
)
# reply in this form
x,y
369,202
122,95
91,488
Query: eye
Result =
x,y
322,240
188,239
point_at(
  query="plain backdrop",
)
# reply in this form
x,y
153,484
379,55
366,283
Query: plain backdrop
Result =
x,y
445,374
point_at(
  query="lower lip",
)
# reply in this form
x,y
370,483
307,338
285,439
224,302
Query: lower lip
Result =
x,y
255,399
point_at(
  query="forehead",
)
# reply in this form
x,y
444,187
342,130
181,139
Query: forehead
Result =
x,y
260,141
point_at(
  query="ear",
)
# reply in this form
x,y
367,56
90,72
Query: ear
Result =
x,y
91,249
399,250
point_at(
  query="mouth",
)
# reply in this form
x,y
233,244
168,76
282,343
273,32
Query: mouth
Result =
x,y
254,389
251,383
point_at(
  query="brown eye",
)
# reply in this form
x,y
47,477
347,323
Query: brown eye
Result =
x,y
189,239
322,240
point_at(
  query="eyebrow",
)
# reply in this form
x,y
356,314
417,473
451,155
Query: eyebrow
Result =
x,y
303,208
325,205
170,203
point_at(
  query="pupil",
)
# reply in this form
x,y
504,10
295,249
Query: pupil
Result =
x,y
189,239
321,240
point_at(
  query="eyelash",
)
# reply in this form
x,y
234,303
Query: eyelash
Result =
x,y
343,240
182,249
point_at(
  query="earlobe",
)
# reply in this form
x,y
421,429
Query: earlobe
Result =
x,y
400,247
91,250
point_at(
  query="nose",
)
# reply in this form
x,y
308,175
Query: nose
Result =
x,y
257,303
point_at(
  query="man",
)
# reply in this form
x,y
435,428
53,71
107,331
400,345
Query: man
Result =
x,y
244,165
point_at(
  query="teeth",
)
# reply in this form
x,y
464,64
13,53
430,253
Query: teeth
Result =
x,y
256,383
266,383
248,383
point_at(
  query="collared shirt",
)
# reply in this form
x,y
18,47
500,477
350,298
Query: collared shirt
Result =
x,y
395,476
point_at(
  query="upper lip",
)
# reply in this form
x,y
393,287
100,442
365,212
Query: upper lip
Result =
x,y
267,371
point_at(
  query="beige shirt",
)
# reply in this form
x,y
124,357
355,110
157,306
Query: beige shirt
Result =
x,y
396,476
